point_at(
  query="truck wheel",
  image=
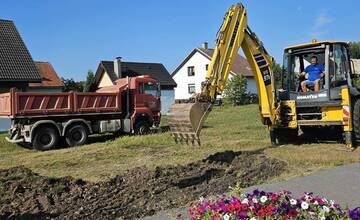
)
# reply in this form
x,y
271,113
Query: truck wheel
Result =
x,y
142,128
76,135
356,120
45,138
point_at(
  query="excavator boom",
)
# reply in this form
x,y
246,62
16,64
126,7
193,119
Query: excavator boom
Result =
x,y
186,119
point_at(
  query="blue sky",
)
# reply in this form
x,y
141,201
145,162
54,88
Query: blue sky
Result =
x,y
74,35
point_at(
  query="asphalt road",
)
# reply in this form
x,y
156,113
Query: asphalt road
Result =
x,y
341,184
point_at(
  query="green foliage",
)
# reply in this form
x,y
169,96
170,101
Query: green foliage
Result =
x,y
90,82
235,91
354,49
277,71
72,85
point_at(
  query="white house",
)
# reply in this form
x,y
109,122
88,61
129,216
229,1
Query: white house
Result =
x,y
192,71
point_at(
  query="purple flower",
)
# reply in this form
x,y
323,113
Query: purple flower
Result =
x,y
256,192
355,214
242,215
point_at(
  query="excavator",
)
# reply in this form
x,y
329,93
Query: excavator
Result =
x,y
284,107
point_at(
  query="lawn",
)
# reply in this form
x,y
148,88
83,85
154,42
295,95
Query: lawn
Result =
x,y
227,128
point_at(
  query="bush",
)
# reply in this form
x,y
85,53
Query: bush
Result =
x,y
236,93
268,205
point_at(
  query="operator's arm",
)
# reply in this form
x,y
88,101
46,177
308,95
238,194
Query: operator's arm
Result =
x,y
322,74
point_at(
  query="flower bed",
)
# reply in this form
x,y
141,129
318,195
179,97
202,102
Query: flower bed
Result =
x,y
269,205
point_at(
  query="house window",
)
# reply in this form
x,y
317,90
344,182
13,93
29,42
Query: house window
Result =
x,y
191,71
191,88
206,67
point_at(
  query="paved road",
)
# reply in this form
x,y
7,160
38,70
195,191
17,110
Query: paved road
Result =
x,y
341,184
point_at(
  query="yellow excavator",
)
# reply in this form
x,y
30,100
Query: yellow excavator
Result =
x,y
284,107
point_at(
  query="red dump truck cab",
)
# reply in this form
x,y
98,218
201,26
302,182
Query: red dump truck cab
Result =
x,y
132,105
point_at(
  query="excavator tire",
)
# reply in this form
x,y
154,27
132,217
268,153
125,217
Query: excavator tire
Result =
x,y
356,120
280,136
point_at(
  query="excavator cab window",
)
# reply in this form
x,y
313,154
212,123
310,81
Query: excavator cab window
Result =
x,y
338,65
296,63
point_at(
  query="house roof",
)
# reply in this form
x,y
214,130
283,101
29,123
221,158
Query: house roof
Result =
x,y
16,63
49,76
154,70
240,66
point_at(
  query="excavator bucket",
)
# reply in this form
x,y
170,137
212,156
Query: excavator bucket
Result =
x,y
186,120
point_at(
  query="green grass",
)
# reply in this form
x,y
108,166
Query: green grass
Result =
x,y
227,128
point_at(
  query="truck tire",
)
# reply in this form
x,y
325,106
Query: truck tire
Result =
x,y
46,138
356,120
76,135
142,128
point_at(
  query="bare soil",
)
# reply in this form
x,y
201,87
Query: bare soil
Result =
x,y
136,193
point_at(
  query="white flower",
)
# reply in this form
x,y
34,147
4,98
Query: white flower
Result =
x,y
245,201
202,199
316,202
263,199
326,209
255,200
253,218
226,217
304,205
322,217
293,201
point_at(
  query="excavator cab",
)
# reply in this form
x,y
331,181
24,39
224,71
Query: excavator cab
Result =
x,y
334,56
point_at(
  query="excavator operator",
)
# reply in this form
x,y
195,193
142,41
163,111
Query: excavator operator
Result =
x,y
315,72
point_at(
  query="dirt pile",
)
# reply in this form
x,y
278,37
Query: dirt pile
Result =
x,y
136,193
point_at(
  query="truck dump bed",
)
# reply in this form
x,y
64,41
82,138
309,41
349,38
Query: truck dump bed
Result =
x,y
25,104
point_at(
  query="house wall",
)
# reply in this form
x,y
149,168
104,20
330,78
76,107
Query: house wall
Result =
x,y
182,79
167,99
251,85
105,80
4,124
199,61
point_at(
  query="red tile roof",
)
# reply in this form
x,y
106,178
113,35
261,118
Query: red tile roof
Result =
x,y
240,65
48,75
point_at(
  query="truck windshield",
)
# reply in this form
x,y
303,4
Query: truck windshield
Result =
x,y
151,89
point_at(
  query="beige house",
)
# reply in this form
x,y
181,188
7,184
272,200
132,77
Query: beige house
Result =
x,y
356,66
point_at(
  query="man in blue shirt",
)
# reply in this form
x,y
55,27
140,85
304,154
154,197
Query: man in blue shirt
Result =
x,y
315,72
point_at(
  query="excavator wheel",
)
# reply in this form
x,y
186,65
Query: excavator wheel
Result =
x,y
356,121
280,136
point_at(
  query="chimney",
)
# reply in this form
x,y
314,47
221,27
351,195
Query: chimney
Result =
x,y
205,45
117,67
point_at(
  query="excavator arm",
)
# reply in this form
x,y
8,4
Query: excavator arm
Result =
x,y
186,119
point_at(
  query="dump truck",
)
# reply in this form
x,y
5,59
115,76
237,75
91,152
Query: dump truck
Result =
x,y
132,105
285,105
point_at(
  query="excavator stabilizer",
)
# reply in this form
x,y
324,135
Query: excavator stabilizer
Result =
x,y
186,120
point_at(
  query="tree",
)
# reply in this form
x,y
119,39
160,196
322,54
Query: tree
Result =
x,y
89,83
72,85
277,71
354,49
235,91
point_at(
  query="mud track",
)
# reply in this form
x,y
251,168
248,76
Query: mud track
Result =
x,y
136,193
